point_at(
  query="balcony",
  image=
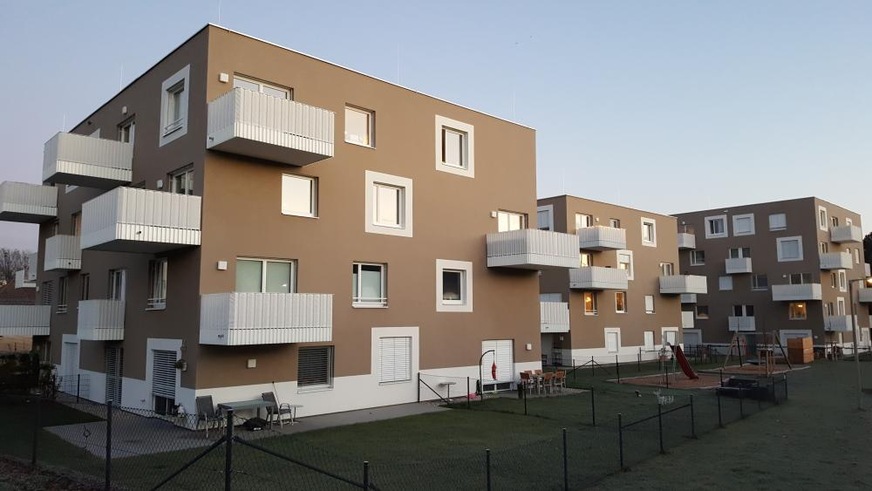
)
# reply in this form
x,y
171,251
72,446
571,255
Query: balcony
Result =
x,y
688,298
554,317
140,220
27,203
838,323
864,295
240,319
101,320
87,161
598,278
686,240
742,324
836,260
846,233
531,249
796,293
24,320
601,238
62,253
265,127
683,284
738,265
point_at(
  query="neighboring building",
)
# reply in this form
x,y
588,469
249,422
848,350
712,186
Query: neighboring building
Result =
x,y
623,296
788,267
16,299
282,223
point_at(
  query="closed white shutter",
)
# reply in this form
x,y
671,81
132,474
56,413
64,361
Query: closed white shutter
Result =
x,y
649,340
503,356
395,356
670,337
70,361
649,303
612,342
114,362
163,382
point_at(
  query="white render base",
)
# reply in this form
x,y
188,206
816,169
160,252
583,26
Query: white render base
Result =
x,y
625,354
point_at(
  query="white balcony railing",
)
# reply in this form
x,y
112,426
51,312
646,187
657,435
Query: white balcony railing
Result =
x,y
846,233
25,320
686,240
681,284
62,252
796,293
738,265
140,220
864,295
237,319
554,316
101,320
265,127
836,260
601,238
742,324
87,161
688,298
531,249
598,278
838,323
27,203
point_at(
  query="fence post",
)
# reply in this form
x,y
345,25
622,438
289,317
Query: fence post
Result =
x,y
621,440
524,392
78,386
365,474
592,366
565,463
617,369
639,360
36,425
660,425
692,420
720,418
228,452
573,370
488,468
419,388
108,477
592,408
468,404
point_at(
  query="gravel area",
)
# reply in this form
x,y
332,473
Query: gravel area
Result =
x,y
17,474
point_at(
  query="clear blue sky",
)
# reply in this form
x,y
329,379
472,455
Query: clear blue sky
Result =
x,y
666,106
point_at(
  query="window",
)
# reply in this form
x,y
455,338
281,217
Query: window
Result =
x,y
127,131
395,355
716,227
455,147
369,285
544,216
614,223
649,304
45,293
823,223
649,340
262,87
799,278
649,232
856,256
789,248
583,221
739,252
824,247
85,286
848,221
315,367
585,259
507,220
759,282
174,106
157,284
835,221
725,283
796,311
743,224
63,283
182,181
589,303
613,339
669,337
829,309
834,279
777,221
743,311
359,126
117,284
625,262
163,380
299,195
843,280
702,312
453,286
667,269
388,204
77,224
265,276
621,302
697,257
840,306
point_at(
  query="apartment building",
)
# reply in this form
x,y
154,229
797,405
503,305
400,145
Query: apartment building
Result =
x,y
623,295
794,267
16,299
245,218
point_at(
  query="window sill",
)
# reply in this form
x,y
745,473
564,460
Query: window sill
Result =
x,y
315,388
395,382
152,309
298,215
368,306
363,145
173,127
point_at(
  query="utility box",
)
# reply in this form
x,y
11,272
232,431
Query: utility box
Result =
x,y
800,350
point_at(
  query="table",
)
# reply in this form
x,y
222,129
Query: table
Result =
x,y
246,405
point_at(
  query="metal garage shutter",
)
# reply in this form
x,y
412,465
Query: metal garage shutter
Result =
x,y
163,382
395,355
114,362
504,359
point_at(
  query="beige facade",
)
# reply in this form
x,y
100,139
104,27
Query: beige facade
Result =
x,y
287,224
615,296
789,267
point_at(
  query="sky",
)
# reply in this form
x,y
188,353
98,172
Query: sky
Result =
x,y
667,106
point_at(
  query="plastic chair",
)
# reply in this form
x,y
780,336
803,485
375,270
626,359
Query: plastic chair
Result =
x,y
277,409
207,414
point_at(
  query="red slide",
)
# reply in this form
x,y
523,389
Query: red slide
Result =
x,y
682,361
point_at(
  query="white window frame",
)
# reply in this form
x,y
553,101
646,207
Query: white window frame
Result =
x,y
127,131
581,218
157,284
823,220
389,347
585,259
664,335
711,235
694,260
738,219
843,280
740,252
614,223
117,284
172,130
649,304
507,217
631,270
840,306
467,167
370,126
548,211
377,333
667,269
616,331
755,286
778,245
406,212
63,294
621,309
464,304
359,302
856,254
725,283
778,221
287,92
287,179
329,376
263,274
649,241
790,313
187,174
593,302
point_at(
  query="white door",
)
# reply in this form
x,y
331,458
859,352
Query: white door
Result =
x,y
503,356
670,337
612,343
649,340
547,348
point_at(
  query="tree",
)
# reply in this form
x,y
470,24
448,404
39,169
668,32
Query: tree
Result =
x,y
867,248
11,260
